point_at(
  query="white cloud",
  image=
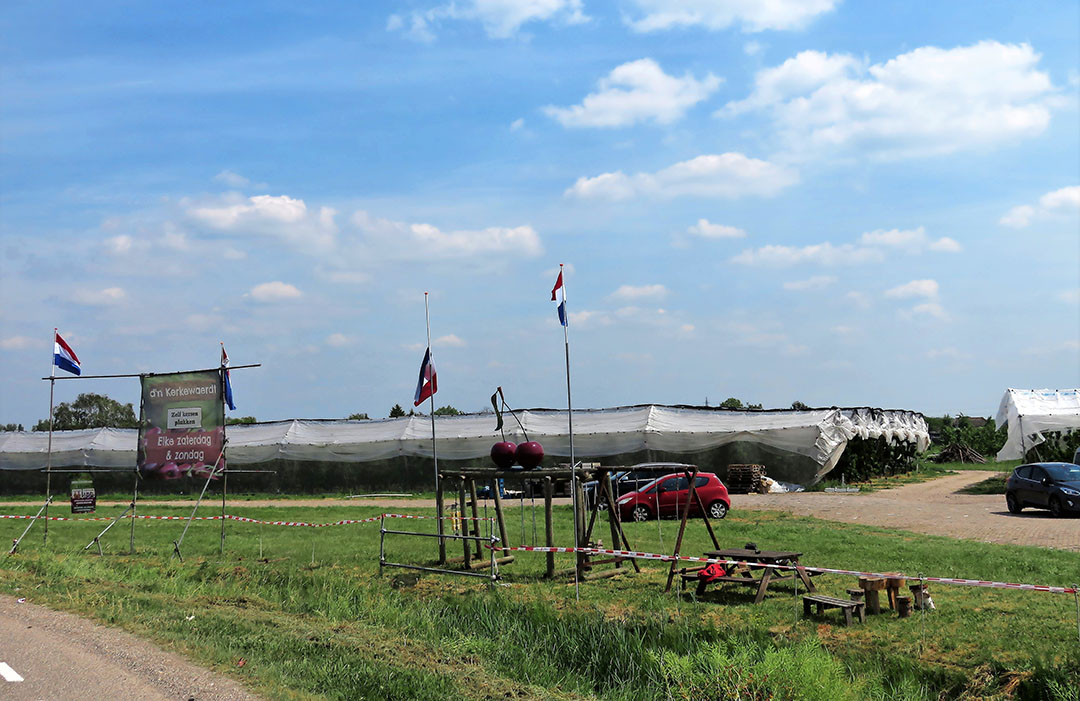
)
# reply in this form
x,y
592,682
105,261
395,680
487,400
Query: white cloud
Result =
x,y
946,245
232,179
1018,217
337,340
119,245
947,353
912,240
915,288
21,343
750,15
1070,296
448,341
1065,198
818,282
279,209
279,216
631,292
587,318
932,309
752,48
275,291
518,124
100,298
1064,201
708,230
928,101
501,18
637,91
859,299
404,239
724,175
821,253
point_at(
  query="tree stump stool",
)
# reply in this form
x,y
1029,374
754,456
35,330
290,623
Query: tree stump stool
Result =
x,y
903,606
871,586
856,594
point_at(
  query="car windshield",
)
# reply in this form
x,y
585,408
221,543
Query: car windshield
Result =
x,y
1063,473
648,487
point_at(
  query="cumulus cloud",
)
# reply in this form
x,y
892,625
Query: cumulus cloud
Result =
x,y
637,91
232,179
819,253
337,340
635,292
707,230
913,240
818,282
119,245
107,297
275,291
931,309
749,15
725,175
21,343
448,341
1062,201
402,238
500,18
915,288
926,102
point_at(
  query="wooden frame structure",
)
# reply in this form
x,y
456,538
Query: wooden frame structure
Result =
x,y
586,519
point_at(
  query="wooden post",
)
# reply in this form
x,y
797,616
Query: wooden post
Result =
x,y
465,544
678,541
579,518
476,518
704,512
499,515
549,527
439,523
604,492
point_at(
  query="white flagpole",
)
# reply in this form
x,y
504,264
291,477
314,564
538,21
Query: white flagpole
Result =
x,y
570,429
434,452
48,463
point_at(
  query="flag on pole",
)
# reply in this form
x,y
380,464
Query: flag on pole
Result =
x,y
427,385
562,304
228,384
63,357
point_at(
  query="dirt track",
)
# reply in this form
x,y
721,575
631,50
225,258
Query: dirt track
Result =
x,y
932,507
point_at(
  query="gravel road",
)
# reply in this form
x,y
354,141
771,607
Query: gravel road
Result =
x,y
61,656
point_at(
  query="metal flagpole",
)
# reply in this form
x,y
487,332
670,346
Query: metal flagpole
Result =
x,y
48,463
431,406
570,428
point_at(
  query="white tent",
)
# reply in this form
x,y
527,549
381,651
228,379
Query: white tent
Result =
x,y
1031,412
817,434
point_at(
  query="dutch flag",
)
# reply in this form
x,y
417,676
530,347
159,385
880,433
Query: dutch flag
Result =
x,y
428,383
63,357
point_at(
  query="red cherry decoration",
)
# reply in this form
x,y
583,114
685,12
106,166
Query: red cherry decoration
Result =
x,y
502,454
529,455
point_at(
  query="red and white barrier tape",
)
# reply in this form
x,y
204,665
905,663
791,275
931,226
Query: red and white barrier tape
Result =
x,y
823,570
631,554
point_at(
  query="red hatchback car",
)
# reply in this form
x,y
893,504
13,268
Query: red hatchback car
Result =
x,y
667,495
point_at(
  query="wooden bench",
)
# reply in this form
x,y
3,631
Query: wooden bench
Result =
x,y
829,602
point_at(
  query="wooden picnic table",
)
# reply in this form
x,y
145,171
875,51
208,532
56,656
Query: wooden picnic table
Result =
x,y
744,574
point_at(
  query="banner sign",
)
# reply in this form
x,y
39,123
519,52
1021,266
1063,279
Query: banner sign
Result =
x,y
83,496
183,424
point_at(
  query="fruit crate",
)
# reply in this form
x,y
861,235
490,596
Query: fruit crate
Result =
x,y
743,479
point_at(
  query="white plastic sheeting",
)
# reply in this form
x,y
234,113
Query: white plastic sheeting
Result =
x,y
1030,412
818,434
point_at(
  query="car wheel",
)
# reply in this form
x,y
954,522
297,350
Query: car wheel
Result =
x,y
1055,506
717,509
1013,504
640,513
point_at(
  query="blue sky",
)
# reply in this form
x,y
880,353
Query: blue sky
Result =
x,y
839,203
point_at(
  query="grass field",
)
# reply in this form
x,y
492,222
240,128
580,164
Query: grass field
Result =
x,y
312,616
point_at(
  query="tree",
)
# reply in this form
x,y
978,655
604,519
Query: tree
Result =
x,y
396,411
446,411
241,420
754,406
11,427
90,411
799,406
360,417
731,403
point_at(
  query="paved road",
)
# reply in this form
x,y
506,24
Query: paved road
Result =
x,y
61,656
932,507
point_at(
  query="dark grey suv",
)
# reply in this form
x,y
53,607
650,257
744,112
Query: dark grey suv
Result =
x,y
1044,485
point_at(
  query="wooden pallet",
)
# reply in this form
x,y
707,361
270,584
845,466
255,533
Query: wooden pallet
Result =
x,y
744,479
